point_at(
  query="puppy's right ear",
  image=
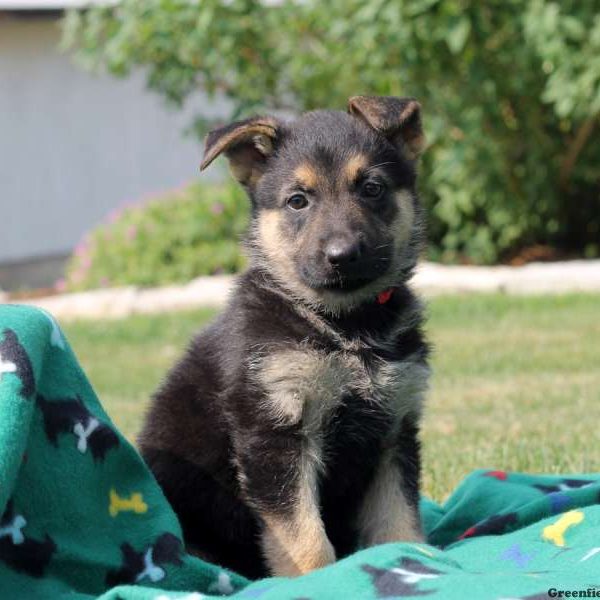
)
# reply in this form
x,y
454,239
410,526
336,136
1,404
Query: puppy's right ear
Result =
x,y
247,144
397,119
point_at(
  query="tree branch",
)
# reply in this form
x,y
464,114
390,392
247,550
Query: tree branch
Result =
x,y
574,149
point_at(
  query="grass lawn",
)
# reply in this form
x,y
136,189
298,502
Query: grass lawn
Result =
x,y
516,381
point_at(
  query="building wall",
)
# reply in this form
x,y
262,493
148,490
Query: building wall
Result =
x,y
75,146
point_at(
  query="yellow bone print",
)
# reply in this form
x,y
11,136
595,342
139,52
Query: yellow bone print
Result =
x,y
556,532
134,503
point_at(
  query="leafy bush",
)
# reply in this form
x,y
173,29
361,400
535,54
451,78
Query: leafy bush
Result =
x,y
510,90
190,232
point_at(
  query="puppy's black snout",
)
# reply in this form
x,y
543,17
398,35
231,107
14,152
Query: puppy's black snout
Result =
x,y
341,252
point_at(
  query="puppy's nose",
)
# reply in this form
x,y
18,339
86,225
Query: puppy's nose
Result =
x,y
341,252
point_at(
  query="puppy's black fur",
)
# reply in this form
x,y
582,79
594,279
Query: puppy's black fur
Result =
x,y
287,435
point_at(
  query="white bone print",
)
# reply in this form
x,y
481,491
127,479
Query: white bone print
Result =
x,y
223,584
6,367
83,434
411,576
153,572
14,530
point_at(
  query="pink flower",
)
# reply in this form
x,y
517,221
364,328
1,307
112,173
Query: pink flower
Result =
x,y
131,232
81,249
114,215
217,208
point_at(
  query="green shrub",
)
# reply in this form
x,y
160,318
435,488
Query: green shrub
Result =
x,y
173,238
510,91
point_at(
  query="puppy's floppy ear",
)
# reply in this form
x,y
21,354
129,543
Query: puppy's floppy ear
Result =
x,y
247,144
397,119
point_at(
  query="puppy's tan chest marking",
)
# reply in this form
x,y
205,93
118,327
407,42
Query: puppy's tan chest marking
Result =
x,y
401,385
304,384
307,385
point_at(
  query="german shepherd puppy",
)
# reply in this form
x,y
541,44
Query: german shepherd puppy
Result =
x,y
287,435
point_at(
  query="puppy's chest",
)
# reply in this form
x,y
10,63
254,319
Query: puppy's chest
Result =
x,y
311,386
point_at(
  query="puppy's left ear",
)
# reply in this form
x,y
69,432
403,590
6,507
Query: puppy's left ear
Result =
x,y
247,144
397,119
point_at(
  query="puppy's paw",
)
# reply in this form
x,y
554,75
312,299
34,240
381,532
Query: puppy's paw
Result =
x,y
291,556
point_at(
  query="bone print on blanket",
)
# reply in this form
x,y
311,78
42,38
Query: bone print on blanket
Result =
x,y
67,415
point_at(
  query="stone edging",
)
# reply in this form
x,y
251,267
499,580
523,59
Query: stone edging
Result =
x,y
430,279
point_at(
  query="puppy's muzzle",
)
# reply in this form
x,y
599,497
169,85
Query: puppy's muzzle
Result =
x,y
342,253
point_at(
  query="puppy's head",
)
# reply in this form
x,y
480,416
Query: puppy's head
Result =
x,y
335,215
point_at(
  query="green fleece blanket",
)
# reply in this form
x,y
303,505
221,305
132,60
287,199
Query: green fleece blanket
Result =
x,y
82,517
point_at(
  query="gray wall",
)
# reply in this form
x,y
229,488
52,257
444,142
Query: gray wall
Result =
x,y
74,146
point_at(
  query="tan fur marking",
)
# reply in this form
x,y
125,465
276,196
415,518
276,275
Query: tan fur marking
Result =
x,y
385,515
401,386
269,222
273,244
306,384
405,219
290,552
353,167
299,544
277,253
306,175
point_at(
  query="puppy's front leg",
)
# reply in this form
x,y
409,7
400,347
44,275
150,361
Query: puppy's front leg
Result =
x,y
296,543
282,488
390,510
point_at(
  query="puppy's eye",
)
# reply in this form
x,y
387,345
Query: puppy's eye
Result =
x,y
372,189
297,202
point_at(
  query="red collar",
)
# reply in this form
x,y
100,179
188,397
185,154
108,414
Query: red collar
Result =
x,y
385,296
